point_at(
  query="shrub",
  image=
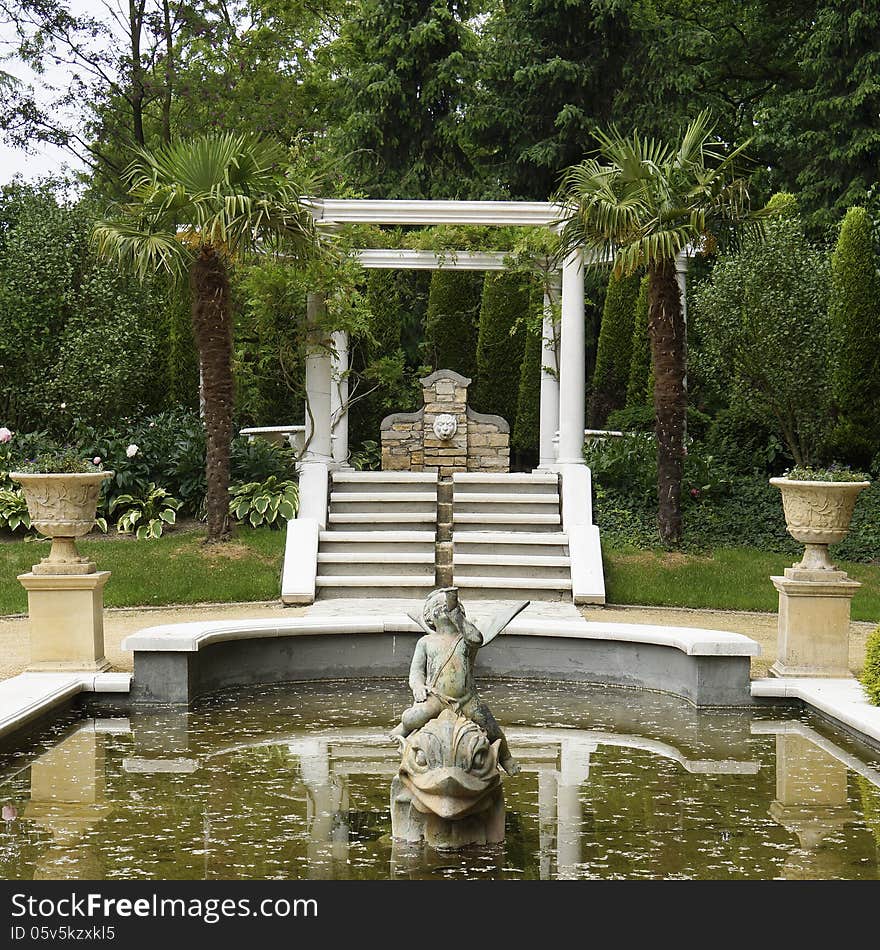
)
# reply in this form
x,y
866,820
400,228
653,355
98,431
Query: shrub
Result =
x,y
763,319
526,431
854,309
614,351
500,343
145,514
871,672
13,509
271,502
452,321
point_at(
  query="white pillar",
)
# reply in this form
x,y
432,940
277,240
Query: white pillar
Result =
x,y
572,369
339,399
317,389
549,412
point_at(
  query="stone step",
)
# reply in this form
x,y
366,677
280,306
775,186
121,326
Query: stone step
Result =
x,y
370,480
515,483
505,498
513,560
377,581
559,574
505,521
382,517
524,505
383,498
357,563
376,542
384,589
512,538
512,583
412,507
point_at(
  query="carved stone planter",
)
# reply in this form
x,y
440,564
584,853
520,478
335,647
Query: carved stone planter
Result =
x,y
62,507
818,514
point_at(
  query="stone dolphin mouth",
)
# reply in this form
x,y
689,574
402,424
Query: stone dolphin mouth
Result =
x,y
450,792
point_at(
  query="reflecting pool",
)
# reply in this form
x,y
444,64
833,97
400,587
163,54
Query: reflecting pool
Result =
x,y
293,782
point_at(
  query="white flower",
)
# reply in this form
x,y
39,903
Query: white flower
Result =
x,y
132,450
64,405
5,434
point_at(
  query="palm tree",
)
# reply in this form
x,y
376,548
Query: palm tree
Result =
x,y
643,202
194,208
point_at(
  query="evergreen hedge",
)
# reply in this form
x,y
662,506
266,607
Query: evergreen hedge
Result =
x,y
639,387
614,352
871,672
527,429
452,321
854,309
500,344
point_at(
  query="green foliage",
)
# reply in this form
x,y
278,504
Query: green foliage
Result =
x,y
62,460
763,321
834,473
526,432
452,320
405,68
500,343
13,509
614,354
77,339
181,355
272,502
854,310
145,514
639,386
871,673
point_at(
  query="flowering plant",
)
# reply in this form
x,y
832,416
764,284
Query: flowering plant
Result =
x,y
833,473
64,461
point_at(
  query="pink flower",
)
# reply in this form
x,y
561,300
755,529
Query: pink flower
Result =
x,y
96,460
9,813
695,493
5,434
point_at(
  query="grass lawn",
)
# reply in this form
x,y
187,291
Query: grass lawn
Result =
x,y
728,579
175,569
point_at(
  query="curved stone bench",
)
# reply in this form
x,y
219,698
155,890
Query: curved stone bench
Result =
x,y
177,663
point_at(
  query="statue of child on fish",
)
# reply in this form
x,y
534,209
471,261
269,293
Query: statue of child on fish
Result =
x,y
448,789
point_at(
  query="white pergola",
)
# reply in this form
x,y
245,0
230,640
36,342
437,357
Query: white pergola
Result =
x,y
563,376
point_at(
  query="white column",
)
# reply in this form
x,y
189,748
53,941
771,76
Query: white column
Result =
x,y
339,399
549,412
317,390
572,369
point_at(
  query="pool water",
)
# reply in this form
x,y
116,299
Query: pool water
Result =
x,y
293,782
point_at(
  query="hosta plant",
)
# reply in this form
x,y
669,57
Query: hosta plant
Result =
x,y
271,502
13,509
146,514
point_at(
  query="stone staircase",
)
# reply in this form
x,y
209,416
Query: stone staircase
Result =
x,y
507,537
380,536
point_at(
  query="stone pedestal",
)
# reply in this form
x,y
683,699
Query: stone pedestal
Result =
x,y
814,615
66,620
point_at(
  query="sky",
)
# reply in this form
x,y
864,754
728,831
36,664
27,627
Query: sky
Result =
x,y
46,159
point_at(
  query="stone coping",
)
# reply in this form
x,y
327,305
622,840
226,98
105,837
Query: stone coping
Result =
x,y
29,696
840,699
191,637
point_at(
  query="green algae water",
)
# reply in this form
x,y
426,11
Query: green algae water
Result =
x,y
293,783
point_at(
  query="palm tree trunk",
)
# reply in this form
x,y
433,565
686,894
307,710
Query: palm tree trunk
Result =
x,y
667,332
212,324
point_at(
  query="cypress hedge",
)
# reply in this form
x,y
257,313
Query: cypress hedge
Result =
x,y
854,309
639,388
500,344
452,321
526,430
614,353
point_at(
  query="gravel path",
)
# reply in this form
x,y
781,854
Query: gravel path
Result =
x,y
118,623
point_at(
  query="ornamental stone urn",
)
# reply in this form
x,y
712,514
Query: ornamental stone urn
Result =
x,y
817,513
814,597
62,507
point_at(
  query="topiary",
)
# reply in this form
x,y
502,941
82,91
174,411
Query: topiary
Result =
x,y
854,309
527,428
452,321
640,387
614,352
500,343
871,673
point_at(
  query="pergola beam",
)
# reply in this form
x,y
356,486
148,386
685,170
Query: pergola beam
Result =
x,y
406,259
333,211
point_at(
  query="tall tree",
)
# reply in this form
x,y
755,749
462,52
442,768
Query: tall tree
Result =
x,y
194,208
405,66
643,201
823,128
614,351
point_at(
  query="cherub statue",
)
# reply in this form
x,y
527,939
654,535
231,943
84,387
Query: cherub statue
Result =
x,y
442,671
